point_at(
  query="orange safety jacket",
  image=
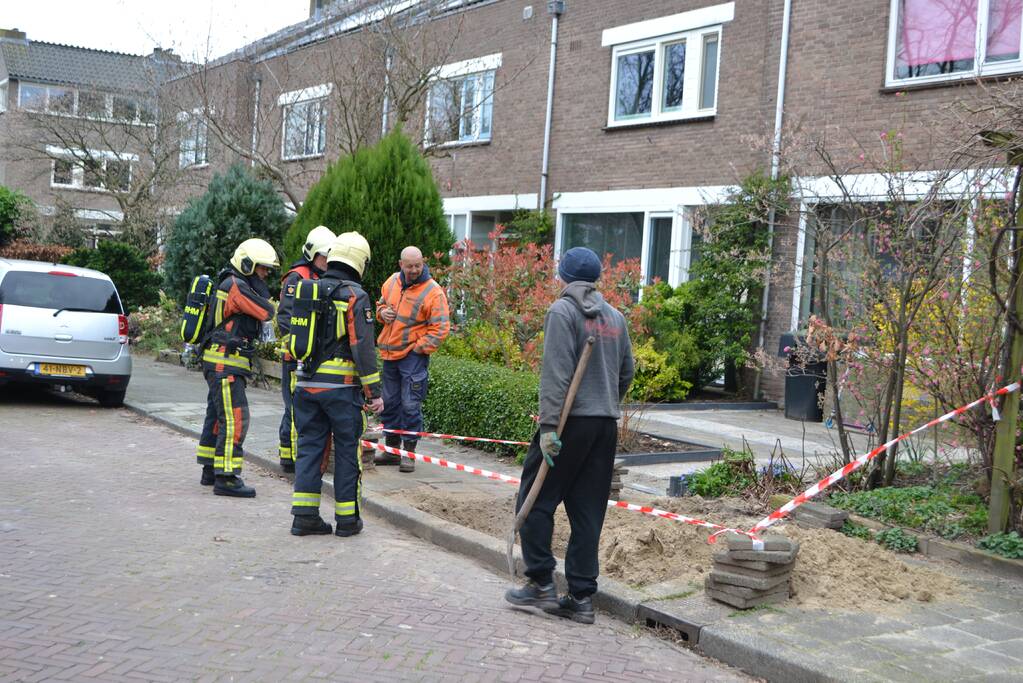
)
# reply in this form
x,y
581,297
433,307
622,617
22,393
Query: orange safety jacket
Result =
x,y
423,320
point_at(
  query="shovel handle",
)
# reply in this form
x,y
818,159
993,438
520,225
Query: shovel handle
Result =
x,y
566,408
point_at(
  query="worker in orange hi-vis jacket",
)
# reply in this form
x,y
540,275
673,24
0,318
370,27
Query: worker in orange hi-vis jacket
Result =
x,y
414,311
238,313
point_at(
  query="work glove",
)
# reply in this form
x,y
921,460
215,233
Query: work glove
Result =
x,y
550,446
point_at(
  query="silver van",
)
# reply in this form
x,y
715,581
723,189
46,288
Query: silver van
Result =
x,y
64,326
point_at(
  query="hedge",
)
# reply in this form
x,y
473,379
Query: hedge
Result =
x,y
478,399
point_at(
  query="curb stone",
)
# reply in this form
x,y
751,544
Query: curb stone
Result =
x,y
613,596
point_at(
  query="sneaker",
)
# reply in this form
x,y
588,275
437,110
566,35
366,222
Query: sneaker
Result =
x,y
207,477
533,595
306,525
287,466
408,464
569,607
233,486
349,528
382,458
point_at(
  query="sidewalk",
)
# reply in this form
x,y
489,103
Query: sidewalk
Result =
x,y
977,636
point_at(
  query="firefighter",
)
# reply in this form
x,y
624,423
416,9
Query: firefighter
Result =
x,y
331,390
309,267
414,311
239,310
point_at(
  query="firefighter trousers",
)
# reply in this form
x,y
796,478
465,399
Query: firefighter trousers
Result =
x,y
581,478
226,424
288,435
319,414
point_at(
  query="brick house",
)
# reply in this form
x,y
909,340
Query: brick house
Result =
x,y
657,108
78,128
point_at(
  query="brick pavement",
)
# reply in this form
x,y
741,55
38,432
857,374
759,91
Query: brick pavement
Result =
x,y
116,565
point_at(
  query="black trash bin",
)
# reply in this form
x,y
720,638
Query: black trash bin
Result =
x,y
804,383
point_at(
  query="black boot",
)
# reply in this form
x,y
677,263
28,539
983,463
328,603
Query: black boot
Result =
x,y
207,475
232,485
382,458
287,465
569,607
408,464
533,595
349,527
305,525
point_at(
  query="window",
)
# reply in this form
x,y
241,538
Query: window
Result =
x,y
305,129
935,40
3,97
460,104
659,253
125,108
194,146
618,234
93,176
62,172
666,69
32,97
118,175
61,100
92,104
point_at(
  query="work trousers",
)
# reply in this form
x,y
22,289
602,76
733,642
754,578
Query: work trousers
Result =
x,y
287,433
405,382
225,425
581,478
318,414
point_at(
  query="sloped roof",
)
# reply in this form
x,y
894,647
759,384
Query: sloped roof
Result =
x,y
55,63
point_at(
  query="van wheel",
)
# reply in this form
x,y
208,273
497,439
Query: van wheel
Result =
x,y
111,399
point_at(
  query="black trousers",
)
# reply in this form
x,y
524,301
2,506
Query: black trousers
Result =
x,y
226,424
319,415
581,478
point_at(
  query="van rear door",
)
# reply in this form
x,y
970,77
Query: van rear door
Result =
x,y
58,313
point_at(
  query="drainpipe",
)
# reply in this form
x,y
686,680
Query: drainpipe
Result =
x,y
387,88
779,108
255,121
556,8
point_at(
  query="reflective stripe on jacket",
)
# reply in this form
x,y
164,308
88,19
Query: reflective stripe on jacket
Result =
x,y
422,322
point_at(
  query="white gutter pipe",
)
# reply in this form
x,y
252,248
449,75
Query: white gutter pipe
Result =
x,y
555,8
779,108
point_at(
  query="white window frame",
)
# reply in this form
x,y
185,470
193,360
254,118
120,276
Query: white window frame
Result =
x,y
316,94
695,42
482,71
190,122
108,99
3,95
78,168
980,53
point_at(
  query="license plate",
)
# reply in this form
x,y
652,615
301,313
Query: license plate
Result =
x,y
61,370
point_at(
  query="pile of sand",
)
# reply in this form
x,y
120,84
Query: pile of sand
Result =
x,y
833,570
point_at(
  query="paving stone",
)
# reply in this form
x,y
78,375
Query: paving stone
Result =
x,y
949,635
760,568
740,591
771,569
748,603
983,660
770,542
990,629
1009,648
761,583
905,645
774,557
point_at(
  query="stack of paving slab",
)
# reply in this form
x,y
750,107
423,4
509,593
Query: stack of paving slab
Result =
x,y
745,578
812,514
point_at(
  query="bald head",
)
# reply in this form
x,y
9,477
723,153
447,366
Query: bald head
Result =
x,y
411,263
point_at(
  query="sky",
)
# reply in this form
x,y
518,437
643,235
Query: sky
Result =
x,y
195,29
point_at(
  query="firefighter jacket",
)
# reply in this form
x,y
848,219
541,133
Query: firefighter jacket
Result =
x,y
300,270
423,320
349,352
241,306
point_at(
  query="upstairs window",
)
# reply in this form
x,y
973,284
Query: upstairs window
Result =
x,y
460,105
937,40
101,171
666,69
305,129
193,150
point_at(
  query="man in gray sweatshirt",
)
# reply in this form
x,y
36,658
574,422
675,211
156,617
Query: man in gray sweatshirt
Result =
x,y
580,474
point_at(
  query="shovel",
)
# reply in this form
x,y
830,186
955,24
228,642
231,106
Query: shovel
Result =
x,y
534,490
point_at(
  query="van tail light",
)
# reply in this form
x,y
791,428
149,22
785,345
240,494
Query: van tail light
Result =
x,y
122,329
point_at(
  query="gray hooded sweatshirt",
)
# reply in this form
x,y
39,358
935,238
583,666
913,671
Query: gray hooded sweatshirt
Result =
x,y
581,312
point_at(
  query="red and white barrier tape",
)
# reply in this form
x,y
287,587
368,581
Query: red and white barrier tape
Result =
x,y
842,473
434,435
645,509
442,463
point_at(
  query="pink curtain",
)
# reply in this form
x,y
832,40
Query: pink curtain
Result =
x,y
1003,29
937,31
